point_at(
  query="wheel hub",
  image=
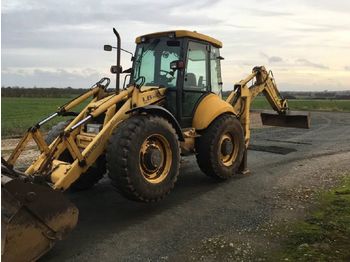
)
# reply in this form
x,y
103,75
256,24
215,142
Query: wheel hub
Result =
x,y
226,147
153,158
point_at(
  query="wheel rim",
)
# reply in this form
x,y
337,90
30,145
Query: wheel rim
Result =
x,y
155,158
227,149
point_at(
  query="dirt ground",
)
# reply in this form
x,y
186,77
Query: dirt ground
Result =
x,y
210,221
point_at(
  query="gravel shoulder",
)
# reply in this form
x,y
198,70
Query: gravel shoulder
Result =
x,y
289,200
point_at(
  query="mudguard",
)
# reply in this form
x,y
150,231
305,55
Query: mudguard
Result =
x,y
163,112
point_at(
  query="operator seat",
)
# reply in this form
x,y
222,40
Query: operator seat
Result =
x,y
190,80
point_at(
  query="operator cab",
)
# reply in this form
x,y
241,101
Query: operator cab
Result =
x,y
187,63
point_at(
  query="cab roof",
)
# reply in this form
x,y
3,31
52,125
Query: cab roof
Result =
x,y
183,33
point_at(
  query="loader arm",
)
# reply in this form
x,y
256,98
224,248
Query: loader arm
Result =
x,y
262,82
35,195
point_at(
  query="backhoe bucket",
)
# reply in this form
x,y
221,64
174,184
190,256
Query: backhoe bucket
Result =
x,y
33,218
290,119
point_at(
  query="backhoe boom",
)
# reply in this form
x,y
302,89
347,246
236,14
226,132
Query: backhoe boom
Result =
x,y
243,95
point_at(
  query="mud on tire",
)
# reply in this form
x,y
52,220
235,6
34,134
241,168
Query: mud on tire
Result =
x,y
143,158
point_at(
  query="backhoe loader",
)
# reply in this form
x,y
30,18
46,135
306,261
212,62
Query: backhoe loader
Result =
x,y
171,106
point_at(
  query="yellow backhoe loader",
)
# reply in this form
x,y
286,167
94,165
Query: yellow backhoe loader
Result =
x,y
172,106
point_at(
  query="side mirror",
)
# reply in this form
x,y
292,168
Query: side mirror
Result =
x,y
114,69
177,64
107,47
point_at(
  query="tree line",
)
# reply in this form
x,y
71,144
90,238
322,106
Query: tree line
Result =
x,y
345,95
15,91
40,92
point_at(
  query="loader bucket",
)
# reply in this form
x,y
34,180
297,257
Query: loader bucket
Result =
x,y
290,119
33,218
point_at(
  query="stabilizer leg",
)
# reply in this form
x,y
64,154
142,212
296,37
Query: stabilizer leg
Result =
x,y
243,168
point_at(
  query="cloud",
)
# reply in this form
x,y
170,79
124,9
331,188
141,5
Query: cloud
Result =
x,y
347,68
305,62
77,78
51,35
335,6
272,59
237,26
264,12
275,59
320,28
64,24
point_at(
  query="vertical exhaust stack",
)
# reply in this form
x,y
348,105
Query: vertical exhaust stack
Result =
x,y
116,69
117,80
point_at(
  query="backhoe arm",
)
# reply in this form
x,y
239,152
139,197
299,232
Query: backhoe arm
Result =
x,y
243,95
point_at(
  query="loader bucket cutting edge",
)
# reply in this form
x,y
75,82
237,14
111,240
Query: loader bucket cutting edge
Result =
x,y
291,119
33,218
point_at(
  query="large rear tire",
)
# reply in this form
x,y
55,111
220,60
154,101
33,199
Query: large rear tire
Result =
x,y
143,158
220,148
88,179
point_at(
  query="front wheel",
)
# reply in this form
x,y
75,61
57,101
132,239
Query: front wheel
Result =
x,y
143,158
220,148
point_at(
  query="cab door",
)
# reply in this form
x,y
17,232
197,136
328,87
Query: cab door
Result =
x,y
196,80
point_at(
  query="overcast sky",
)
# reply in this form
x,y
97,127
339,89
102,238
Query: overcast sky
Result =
x,y
60,43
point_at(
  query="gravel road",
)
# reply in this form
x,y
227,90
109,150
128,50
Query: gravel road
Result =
x,y
201,216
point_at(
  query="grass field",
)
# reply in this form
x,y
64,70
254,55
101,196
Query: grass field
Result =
x,y
325,234
311,104
17,114
20,113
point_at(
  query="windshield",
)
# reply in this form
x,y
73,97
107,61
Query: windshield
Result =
x,y
152,61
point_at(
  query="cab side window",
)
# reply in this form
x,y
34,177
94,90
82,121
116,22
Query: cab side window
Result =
x,y
215,71
195,79
196,68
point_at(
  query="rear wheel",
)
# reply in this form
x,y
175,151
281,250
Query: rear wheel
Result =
x,y
143,158
220,148
92,175
56,131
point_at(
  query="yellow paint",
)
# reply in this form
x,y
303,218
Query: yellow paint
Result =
x,y
210,108
86,148
183,33
59,169
84,139
92,151
147,95
241,99
156,174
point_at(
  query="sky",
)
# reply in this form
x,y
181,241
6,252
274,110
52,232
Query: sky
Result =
x,y
306,43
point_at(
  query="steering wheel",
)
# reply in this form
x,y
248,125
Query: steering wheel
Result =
x,y
165,75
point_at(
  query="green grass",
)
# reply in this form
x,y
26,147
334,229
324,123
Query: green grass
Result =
x,y
303,104
325,234
20,113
